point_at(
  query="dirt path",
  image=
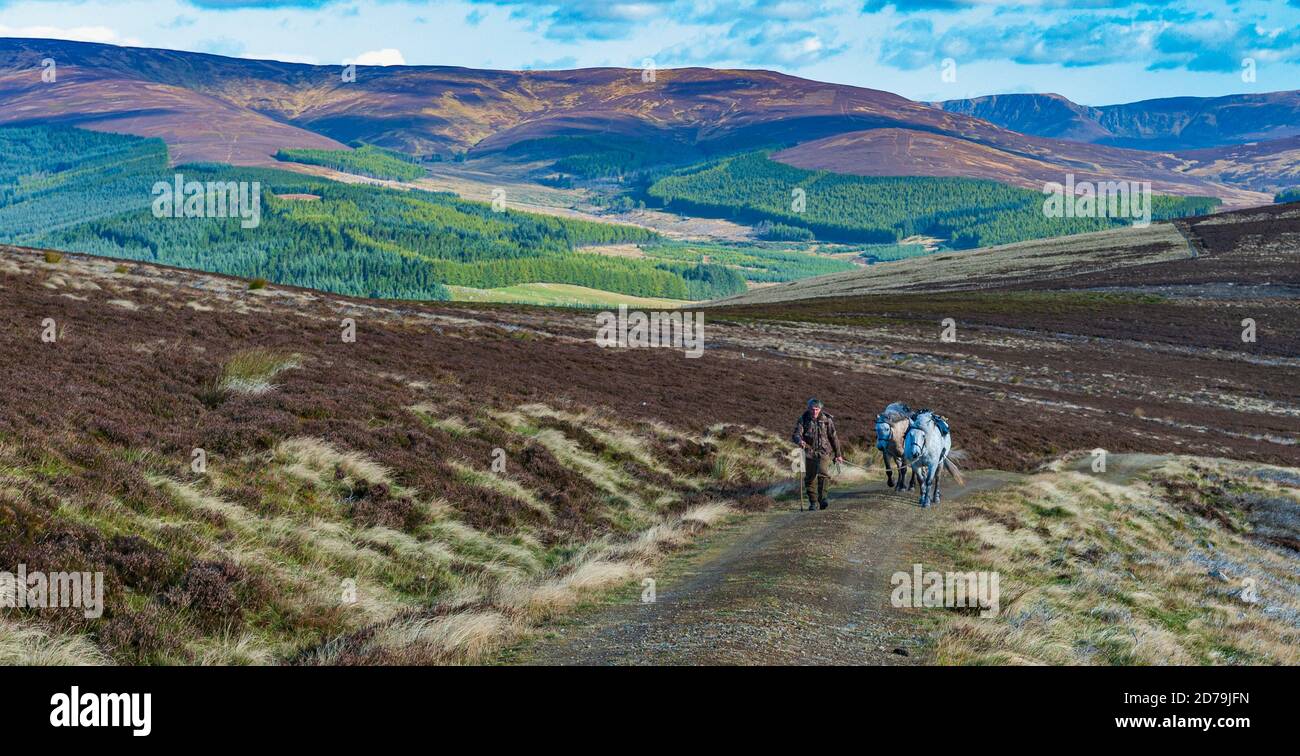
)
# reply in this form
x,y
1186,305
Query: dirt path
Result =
x,y
786,587
1121,469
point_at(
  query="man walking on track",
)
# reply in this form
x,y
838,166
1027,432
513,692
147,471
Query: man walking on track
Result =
x,y
815,434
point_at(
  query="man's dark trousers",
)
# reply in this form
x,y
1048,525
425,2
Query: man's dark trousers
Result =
x,y
816,471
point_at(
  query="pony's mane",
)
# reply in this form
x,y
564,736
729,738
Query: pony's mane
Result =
x,y
897,411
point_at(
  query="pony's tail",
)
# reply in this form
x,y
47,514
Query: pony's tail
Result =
x,y
953,470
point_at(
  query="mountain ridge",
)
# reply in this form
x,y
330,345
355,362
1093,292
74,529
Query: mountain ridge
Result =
x,y
1161,124
213,108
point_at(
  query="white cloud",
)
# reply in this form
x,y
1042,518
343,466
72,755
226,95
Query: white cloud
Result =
x,y
102,34
766,44
386,57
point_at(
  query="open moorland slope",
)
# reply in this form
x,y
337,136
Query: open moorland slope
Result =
x,y
337,470
1249,249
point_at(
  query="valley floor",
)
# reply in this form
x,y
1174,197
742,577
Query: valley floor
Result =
x,y
563,295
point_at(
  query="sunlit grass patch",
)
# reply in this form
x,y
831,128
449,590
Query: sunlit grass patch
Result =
x,y
243,650
452,425
1148,572
744,454
22,644
251,370
445,639
317,461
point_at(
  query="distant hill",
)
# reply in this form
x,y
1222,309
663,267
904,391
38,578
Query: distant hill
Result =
x,y
1167,124
208,107
910,152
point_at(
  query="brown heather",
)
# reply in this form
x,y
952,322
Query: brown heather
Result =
x,y
336,468
371,461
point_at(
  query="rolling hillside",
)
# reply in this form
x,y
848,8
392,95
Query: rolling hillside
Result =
x,y
1262,166
208,107
1258,250
885,209
79,190
306,365
907,152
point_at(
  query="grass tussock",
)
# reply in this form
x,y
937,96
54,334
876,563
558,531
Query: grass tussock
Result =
x,y
446,639
1190,566
451,424
317,461
251,370
21,644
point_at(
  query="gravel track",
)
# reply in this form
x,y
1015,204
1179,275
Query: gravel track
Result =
x,y
785,587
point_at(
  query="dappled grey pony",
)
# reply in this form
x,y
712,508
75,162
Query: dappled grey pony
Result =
x,y
891,430
928,445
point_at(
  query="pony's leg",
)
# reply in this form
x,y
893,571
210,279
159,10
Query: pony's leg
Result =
x,y
938,476
932,482
889,472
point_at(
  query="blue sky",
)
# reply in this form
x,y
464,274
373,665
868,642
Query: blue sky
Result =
x,y
1092,51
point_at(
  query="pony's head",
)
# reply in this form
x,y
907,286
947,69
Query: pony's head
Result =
x,y
913,441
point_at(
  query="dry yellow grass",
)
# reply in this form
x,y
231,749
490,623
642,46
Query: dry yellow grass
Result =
x,y
245,650
452,638
1122,572
22,644
314,460
251,371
